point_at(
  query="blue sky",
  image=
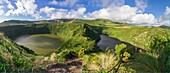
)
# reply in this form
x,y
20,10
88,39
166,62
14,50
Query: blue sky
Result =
x,y
131,11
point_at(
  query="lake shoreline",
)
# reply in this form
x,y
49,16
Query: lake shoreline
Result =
x,y
41,43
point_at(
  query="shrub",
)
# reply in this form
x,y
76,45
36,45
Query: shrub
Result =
x,y
101,62
156,62
158,42
120,49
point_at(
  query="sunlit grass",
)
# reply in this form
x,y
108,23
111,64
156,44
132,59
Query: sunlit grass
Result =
x,y
100,61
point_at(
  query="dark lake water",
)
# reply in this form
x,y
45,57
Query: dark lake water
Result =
x,y
40,43
107,42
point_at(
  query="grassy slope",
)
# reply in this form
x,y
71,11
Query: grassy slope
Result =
x,y
13,57
136,35
79,35
76,37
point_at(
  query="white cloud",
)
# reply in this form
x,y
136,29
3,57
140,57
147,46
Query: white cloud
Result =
x,y
124,14
1,10
141,5
115,10
9,5
167,11
8,13
64,3
143,19
53,13
48,11
24,7
165,18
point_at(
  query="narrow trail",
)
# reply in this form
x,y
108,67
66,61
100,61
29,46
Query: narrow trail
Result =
x,y
71,66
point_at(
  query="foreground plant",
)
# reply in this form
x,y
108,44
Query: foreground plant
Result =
x,y
100,61
155,60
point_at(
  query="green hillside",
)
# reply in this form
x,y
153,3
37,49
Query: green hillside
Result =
x,y
80,42
13,57
137,35
75,36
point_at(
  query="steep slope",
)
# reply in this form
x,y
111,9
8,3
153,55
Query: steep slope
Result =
x,y
13,57
136,35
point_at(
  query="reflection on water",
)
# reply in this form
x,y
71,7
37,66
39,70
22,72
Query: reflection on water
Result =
x,y
40,44
107,42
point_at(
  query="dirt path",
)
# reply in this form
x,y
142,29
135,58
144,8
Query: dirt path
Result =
x,y
71,66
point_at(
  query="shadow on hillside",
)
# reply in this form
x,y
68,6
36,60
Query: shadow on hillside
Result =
x,y
19,30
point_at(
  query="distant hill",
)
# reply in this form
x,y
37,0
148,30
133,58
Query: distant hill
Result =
x,y
96,22
16,22
166,27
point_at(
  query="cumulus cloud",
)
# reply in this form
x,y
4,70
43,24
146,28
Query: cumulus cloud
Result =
x,y
123,13
64,3
5,2
10,6
24,7
53,13
115,10
47,10
165,18
141,5
143,19
111,9
167,11
1,10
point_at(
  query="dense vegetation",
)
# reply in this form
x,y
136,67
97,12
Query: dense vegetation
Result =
x,y
13,57
80,41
